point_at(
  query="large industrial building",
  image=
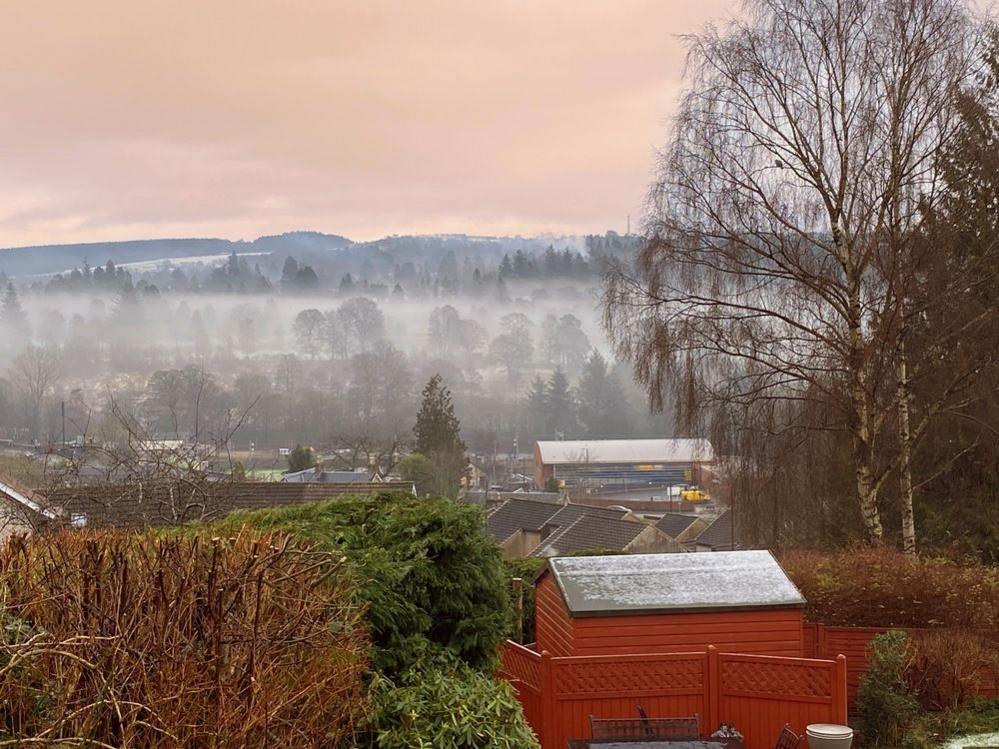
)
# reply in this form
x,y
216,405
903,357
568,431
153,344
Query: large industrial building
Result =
x,y
596,464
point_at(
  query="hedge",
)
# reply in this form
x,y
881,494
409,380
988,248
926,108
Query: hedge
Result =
x,y
431,577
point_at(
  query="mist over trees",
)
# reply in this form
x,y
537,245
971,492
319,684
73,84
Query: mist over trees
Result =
x,y
236,347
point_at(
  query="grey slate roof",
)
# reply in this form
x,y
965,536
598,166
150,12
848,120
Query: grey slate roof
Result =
x,y
519,514
569,514
310,475
675,523
159,503
647,583
590,532
718,535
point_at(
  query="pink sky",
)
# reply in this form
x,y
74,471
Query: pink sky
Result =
x,y
236,118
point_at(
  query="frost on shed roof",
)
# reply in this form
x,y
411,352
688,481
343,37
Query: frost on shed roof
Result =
x,y
645,583
626,451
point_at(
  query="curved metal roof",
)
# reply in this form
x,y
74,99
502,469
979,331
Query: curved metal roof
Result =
x,y
682,450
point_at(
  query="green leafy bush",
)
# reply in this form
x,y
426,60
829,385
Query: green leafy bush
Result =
x,y
863,587
446,705
886,707
527,569
430,575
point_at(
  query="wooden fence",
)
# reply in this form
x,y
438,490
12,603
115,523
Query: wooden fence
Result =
x,y
758,694
822,641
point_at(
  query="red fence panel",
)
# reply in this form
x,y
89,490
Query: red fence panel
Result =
x,y
854,643
522,668
609,686
759,694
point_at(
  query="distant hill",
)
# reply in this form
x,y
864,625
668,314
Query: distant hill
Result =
x,y
49,259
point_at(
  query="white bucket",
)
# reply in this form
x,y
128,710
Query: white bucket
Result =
x,y
829,736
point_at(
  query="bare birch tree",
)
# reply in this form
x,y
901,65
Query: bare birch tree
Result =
x,y
35,372
802,154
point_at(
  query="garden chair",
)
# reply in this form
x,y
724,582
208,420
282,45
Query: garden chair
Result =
x,y
788,739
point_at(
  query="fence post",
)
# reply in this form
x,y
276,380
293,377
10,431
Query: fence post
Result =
x,y
547,737
839,690
713,678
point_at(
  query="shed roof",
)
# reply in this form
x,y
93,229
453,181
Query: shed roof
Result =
x,y
649,583
626,451
590,532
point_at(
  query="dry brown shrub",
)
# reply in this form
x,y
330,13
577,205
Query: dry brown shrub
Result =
x,y
948,668
871,587
115,639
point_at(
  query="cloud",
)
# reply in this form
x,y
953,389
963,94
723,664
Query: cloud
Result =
x,y
236,118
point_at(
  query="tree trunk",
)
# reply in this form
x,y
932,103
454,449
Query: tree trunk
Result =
x,y
860,422
905,456
863,457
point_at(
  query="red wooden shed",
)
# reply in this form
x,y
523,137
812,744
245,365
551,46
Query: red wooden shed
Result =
x,y
738,601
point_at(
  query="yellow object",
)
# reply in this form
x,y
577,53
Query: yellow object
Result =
x,y
694,495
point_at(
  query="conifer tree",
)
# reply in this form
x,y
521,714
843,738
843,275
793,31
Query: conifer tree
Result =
x,y
438,438
603,410
11,312
560,406
13,321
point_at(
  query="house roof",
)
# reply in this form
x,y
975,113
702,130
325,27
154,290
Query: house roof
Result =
x,y
140,504
649,583
675,523
519,514
626,451
718,535
569,514
590,532
327,477
26,499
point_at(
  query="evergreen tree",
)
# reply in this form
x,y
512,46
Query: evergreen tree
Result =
x,y
126,311
289,272
306,278
11,313
603,410
560,406
536,409
13,321
438,438
505,267
301,458
448,267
